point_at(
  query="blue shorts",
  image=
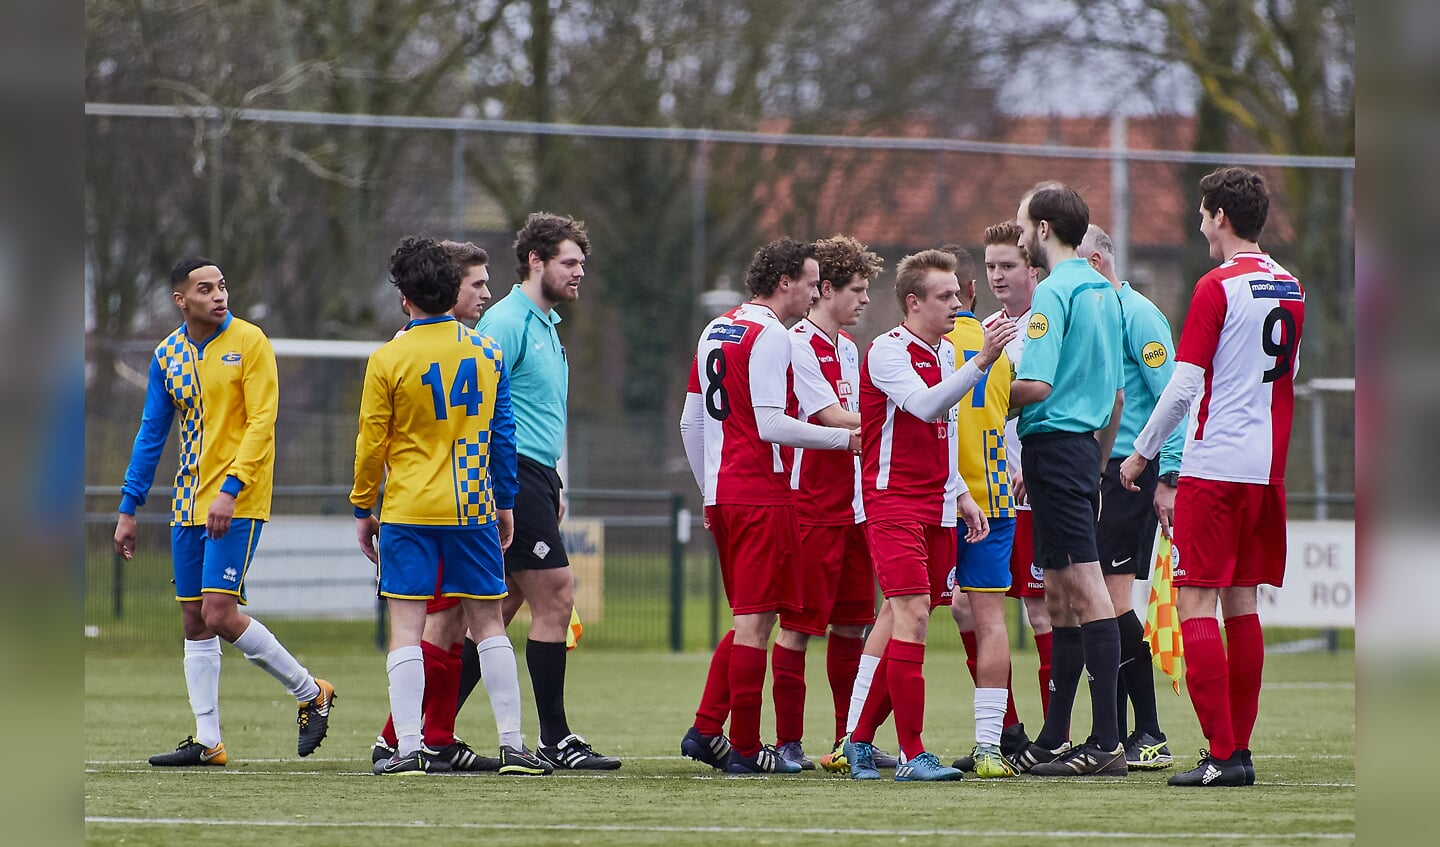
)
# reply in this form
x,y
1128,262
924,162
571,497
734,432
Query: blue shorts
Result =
x,y
216,565
985,565
410,557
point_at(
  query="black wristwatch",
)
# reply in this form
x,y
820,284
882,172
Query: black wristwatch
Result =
x,y
1171,479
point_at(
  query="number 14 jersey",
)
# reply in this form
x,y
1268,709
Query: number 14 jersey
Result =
x,y
435,411
1243,329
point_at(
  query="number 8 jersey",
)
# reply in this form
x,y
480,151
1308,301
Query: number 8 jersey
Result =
x,y
743,362
1243,330
436,410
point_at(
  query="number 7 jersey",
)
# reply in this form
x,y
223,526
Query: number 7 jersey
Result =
x,y
436,411
743,362
1243,330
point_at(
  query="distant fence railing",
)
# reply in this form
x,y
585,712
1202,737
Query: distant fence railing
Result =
x,y
644,577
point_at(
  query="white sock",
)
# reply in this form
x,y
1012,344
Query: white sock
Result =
x,y
502,684
202,680
989,714
406,669
863,676
262,648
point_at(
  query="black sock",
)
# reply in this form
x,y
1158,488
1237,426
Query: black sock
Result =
x,y
546,661
1136,674
469,672
1101,645
1122,711
1067,662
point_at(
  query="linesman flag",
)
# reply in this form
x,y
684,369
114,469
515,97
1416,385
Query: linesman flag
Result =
x,y
574,631
1162,619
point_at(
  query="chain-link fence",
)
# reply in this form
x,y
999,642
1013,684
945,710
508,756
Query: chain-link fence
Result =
x,y
674,216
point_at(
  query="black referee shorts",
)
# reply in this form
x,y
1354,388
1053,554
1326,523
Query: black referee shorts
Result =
x,y
537,545
1062,478
1125,535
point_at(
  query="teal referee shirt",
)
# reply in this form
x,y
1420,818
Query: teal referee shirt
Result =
x,y
539,373
1073,344
1149,361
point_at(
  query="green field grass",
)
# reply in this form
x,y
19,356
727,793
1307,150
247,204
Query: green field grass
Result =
x,y
637,705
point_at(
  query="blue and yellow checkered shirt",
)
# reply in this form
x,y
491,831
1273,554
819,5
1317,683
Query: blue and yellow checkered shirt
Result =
x,y
226,392
436,412
980,424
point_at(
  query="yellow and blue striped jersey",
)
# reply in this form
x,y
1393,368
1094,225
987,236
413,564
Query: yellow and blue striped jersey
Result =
x,y
436,411
980,424
226,392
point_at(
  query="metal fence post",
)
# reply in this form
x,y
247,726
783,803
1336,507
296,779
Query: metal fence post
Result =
x,y
679,535
118,587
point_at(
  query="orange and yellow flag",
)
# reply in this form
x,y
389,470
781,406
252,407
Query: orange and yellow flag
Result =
x,y
1162,619
574,631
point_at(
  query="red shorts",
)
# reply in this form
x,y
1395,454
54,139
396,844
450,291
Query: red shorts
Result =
x,y
912,557
1026,578
1231,533
759,556
838,581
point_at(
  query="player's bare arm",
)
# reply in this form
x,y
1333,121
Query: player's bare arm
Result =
x,y
366,529
997,335
222,511
125,534
1107,435
977,526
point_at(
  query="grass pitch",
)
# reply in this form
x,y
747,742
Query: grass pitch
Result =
x,y
637,705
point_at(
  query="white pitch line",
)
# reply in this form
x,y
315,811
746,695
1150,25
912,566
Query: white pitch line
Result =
x,y
1305,686
980,785
292,759
717,830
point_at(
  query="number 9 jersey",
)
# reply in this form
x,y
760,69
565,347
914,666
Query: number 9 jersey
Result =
x,y
436,411
1243,330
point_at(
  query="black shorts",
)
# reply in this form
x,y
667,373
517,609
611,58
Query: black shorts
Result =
x,y
1125,534
537,545
1062,478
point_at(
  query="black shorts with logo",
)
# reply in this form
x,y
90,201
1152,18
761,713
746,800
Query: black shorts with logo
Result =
x,y
537,545
1125,534
1062,478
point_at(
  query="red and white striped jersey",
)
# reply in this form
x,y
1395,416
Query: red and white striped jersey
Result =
x,y
908,467
743,362
1243,329
827,482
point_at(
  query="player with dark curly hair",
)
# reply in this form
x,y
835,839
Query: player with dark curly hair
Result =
x,y
733,429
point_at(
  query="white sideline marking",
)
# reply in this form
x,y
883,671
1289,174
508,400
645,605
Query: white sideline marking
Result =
x,y
1305,686
718,830
292,759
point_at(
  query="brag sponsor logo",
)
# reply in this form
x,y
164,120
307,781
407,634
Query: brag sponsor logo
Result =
x,y
1038,326
1153,354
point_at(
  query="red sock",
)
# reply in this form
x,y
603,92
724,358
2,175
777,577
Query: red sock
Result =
x,y
1042,647
788,687
388,733
747,682
972,649
842,663
1245,653
715,699
907,693
877,702
442,692
1207,677
1012,717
